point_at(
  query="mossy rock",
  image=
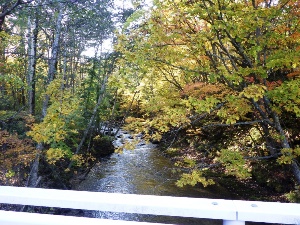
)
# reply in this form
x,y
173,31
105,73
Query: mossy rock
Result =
x,y
102,146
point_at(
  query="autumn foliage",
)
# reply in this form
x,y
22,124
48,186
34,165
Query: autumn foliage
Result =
x,y
210,66
202,90
15,158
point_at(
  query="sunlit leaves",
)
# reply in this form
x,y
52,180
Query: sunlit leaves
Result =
x,y
201,106
234,163
288,155
8,40
254,91
64,117
54,154
233,62
287,96
235,108
196,176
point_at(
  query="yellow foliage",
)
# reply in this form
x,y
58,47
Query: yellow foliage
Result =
x,y
54,89
235,109
54,154
193,178
255,91
61,119
78,159
288,155
234,163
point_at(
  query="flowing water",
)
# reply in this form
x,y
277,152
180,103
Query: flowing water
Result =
x,y
143,170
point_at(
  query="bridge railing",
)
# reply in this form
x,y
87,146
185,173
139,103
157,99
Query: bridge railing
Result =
x,y
232,212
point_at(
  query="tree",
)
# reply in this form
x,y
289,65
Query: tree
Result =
x,y
8,7
32,60
54,55
15,158
233,62
42,67
58,124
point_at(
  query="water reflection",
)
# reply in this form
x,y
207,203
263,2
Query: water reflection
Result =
x,y
142,171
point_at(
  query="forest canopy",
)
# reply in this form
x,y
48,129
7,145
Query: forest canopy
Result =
x,y
222,69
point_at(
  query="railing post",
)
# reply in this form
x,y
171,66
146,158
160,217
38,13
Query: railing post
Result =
x,y
233,222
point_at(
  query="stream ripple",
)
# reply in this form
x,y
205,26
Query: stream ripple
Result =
x,y
146,171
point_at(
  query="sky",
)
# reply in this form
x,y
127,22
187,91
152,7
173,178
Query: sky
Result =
x,y
107,45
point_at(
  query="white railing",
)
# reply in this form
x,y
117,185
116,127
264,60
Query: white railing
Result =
x,y
232,212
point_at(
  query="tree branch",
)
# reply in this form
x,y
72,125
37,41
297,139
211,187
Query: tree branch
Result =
x,y
9,10
235,124
177,67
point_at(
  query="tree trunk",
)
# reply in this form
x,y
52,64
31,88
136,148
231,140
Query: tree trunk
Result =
x,y
33,178
126,113
296,170
275,124
285,144
54,56
32,48
92,119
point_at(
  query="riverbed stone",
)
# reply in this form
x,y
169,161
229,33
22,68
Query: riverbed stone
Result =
x,y
103,146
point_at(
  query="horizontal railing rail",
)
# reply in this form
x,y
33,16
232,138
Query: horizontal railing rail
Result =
x,y
230,211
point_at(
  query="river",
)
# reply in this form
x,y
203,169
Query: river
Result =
x,y
144,170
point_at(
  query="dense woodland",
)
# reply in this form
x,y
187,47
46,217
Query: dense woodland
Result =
x,y
214,82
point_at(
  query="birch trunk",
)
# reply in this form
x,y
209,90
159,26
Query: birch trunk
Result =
x,y
33,177
53,58
32,48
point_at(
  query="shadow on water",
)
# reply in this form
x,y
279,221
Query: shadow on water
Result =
x,y
143,171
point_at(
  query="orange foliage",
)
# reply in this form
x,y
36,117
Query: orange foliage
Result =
x,y
273,84
249,79
15,154
293,74
295,5
270,84
259,2
295,35
201,90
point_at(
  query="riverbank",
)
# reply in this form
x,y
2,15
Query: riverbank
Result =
x,y
258,187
